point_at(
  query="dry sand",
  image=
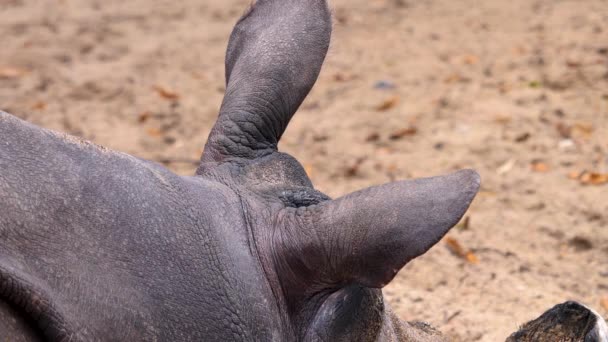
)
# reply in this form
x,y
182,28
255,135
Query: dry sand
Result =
x,y
492,85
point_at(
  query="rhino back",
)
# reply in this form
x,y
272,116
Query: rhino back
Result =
x,y
96,243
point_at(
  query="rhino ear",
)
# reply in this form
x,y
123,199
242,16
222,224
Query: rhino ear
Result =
x,y
369,235
273,59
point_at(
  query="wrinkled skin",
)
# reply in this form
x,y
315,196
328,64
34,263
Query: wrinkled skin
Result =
x,y
99,245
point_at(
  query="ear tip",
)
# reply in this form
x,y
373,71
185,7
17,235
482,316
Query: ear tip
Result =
x,y
471,178
468,182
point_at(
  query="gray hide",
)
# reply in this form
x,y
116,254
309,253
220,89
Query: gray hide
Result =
x,y
100,245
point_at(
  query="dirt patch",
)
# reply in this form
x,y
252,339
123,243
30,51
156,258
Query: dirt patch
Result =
x,y
515,89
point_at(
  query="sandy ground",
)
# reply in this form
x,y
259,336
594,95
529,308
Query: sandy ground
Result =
x,y
515,89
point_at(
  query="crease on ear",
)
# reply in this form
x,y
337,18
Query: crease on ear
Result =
x,y
369,235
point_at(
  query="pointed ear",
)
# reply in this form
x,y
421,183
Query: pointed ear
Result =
x,y
368,236
274,57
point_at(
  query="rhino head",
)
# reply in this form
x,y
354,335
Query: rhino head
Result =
x,y
325,260
99,245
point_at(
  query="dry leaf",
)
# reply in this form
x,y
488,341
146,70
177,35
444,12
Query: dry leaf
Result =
x,y
589,178
154,132
604,303
320,137
374,136
353,170
594,178
388,104
583,130
577,130
12,72
574,174
523,137
465,223
341,77
453,78
502,119
572,64
398,134
143,117
40,105
471,59
308,168
455,247
538,166
472,258
165,93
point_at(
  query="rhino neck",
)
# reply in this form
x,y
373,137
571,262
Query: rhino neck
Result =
x,y
356,313
348,314
141,257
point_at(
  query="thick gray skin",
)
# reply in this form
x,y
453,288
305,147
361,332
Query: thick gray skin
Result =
x,y
99,245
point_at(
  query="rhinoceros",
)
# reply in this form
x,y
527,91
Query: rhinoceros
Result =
x,y
99,245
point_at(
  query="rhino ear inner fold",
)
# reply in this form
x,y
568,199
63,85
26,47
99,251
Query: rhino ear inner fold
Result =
x,y
370,234
273,59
